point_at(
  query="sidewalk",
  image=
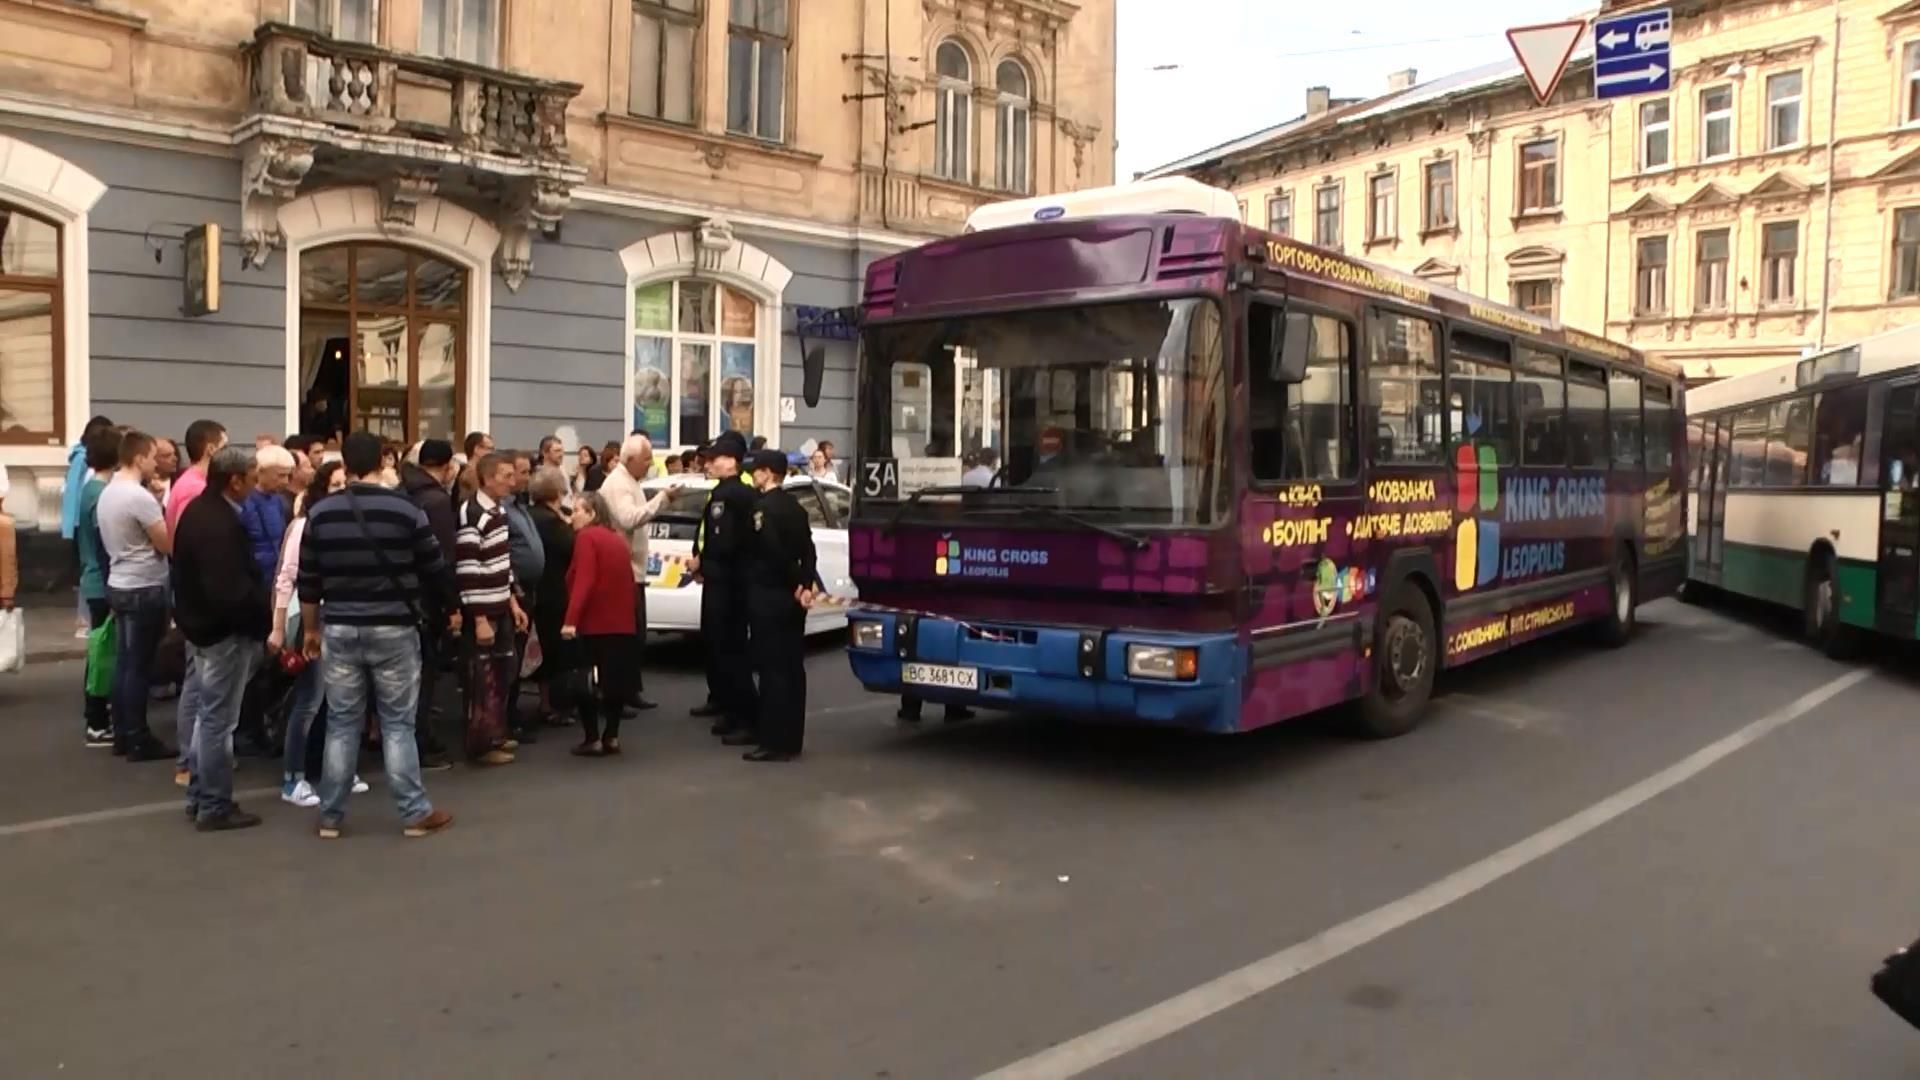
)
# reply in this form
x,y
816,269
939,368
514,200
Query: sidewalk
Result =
x,y
50,633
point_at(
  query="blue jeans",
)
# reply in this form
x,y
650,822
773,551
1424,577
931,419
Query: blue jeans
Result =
x,y
308,695
140,621
223,670
186,716
383,660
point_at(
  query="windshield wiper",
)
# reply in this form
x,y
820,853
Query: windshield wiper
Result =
x,y
907,504
1132,539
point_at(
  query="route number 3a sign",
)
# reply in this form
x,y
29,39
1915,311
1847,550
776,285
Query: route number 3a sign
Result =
x,y
880,478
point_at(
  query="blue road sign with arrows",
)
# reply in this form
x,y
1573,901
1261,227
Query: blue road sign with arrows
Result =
x,y
1631,54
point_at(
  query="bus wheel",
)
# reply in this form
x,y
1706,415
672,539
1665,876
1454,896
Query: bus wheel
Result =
x,y
1623,589
1404,657
1822,610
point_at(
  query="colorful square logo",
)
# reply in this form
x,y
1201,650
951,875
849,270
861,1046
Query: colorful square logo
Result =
x,y
946,558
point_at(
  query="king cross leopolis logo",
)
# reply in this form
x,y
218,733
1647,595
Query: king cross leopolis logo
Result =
x,y
946,557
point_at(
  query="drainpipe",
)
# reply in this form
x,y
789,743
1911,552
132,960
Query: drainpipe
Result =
x,y
1826,245
1606,215
886,116
1053,155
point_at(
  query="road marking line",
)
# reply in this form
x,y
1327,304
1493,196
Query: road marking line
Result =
x,y
117,813
1082,1053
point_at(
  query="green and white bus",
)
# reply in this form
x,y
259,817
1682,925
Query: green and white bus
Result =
x,y
1805,488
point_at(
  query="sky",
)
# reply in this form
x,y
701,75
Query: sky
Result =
x,y
1195,73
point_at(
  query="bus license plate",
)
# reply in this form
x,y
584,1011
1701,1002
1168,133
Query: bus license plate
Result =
x,y
954,678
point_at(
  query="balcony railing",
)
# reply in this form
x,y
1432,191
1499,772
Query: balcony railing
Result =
x,y
303,75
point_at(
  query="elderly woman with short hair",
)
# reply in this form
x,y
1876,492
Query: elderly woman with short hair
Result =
x,y
600,621
547,490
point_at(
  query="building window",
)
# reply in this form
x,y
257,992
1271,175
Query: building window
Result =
x,y
1656,135
382,342
1910,83
1380,206
1779,251
1326,216
1534,297
952,113
1716,123
1650,276
757,68
1439,204
347,20
661,59
1710,271
1280,213
1906,254
694,344
1783,110
32,390
1012,126
461,30
1539,175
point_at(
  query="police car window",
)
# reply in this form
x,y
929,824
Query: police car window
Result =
x,y
690,502
811,504
841,503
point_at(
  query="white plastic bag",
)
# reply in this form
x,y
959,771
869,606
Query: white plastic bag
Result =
x,y
13,641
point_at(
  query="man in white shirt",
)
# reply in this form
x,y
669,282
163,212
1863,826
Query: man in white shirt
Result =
x,y
133,530
632,509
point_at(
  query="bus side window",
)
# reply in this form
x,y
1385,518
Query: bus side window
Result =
x,y
1623,415
1302,431
1787,443
1839,436
1586,415
1659,417
1543,408
1480,396
1405,417
1749,447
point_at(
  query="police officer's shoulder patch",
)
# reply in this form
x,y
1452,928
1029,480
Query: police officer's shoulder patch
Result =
x,y
759,516
719,508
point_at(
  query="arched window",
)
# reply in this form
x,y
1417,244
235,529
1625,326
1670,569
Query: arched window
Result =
x,y
694,343
952,113
32,394
1011,125
382,342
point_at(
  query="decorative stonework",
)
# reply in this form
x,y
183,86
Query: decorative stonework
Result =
x,y
1082,136
400,195
711,242
270,175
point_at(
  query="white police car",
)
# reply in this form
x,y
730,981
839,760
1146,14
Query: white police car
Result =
x,y
673,597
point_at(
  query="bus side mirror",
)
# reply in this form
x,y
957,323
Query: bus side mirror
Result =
x,y
813,369
1292,337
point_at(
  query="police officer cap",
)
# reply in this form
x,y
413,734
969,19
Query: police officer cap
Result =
x,y
728,444
768,459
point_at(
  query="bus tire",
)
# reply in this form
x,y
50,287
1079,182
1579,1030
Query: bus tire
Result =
x,y
1820,609
1623,600
1406,650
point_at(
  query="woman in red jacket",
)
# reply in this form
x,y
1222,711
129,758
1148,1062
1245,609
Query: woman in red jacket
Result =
x,y
600,621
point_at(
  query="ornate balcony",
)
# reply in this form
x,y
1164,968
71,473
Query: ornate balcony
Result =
x,y
323,112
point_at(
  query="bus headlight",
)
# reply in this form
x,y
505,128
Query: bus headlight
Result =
x,y
1162,662
868,634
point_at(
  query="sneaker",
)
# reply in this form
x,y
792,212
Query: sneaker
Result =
x,y
360,787
435,761
299,793
235,818
432,823
98,738
150,750
494,757
704,711
328,830
509,745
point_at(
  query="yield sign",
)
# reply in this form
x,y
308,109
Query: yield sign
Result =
x,y
1544,51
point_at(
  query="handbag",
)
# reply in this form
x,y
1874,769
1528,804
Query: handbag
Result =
x,y
13,640
1897,983
534,656
102,656
386,565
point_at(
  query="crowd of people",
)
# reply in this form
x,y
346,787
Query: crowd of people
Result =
x,y
352,579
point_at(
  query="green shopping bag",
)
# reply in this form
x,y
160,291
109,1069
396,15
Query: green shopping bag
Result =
x,y
101,646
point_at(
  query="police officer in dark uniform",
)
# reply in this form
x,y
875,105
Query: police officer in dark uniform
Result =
x,y
782,582
722,549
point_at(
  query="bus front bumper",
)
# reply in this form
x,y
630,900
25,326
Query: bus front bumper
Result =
x,y
1078,671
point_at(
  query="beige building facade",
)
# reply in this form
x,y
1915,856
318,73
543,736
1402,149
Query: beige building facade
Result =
x,y
522,216
1766,204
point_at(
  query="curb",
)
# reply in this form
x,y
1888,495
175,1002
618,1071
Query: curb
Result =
x,y
76,651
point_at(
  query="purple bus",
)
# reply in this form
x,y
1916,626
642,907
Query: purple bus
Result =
x,y
1165,468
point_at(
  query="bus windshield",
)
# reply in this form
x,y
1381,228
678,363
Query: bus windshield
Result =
x,y
1115,411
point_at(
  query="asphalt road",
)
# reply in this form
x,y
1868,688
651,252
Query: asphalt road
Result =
x,y
954,901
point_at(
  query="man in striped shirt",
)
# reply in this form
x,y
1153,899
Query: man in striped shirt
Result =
x,y
368,564
483,563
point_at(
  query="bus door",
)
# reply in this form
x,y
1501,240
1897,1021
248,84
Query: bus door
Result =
x,y
1710,539
1899,578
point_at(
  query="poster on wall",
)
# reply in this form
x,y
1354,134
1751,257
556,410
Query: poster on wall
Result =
x,y
736,386
652,387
